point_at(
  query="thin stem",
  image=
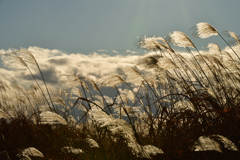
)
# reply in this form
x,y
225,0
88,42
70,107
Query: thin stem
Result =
x,y
228,45
45,85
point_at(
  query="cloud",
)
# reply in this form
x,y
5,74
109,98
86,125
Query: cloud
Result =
x,y
102,50
235,48
50,75
60,61
132,52
53,63
114,51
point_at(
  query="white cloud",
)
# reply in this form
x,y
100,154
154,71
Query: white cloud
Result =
x,y
132,52
102,50
114,51
235,48
53,63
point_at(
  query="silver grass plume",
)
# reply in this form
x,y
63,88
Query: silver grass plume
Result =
x,y
133,75
120,126
152,150
152,43
59,100
28,57
153,79
233,36
52,118
206,144
226,142
129,94
167,64
16,57
95,86
230,62
25,55
169,48
144,151
123,109
204,30
73,81
92,143
148,62
70,149
33,88
181,57
111,80
213,48
77,91
214,60
180,39
33,152
184,105
212,143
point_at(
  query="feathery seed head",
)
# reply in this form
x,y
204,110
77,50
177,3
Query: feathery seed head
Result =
x,y
228,144
204,30
167,64
31,151
233,36
180,39
13,57
26,55
152,43
206,144
111,80
95,86
51,118
184,105
148,62
214,48
59,100
133,75
92,143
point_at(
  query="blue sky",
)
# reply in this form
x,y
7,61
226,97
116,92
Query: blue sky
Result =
x,y
84,26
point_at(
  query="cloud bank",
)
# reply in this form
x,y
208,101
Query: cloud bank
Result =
x,y
53,63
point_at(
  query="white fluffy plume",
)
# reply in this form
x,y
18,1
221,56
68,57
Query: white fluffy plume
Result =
x,y
204,30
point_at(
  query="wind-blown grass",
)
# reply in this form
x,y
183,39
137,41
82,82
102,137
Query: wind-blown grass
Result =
x,y
167,105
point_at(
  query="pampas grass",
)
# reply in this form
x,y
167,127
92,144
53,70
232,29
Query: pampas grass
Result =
x,y
169,105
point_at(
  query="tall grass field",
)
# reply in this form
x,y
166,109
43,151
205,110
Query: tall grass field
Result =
x,y
169,105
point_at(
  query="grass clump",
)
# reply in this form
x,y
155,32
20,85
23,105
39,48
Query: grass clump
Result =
x,y
168,105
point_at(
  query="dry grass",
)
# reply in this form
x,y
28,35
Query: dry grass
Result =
x,y
169,102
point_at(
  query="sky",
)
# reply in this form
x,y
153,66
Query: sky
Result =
x,y
80,26
97,37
